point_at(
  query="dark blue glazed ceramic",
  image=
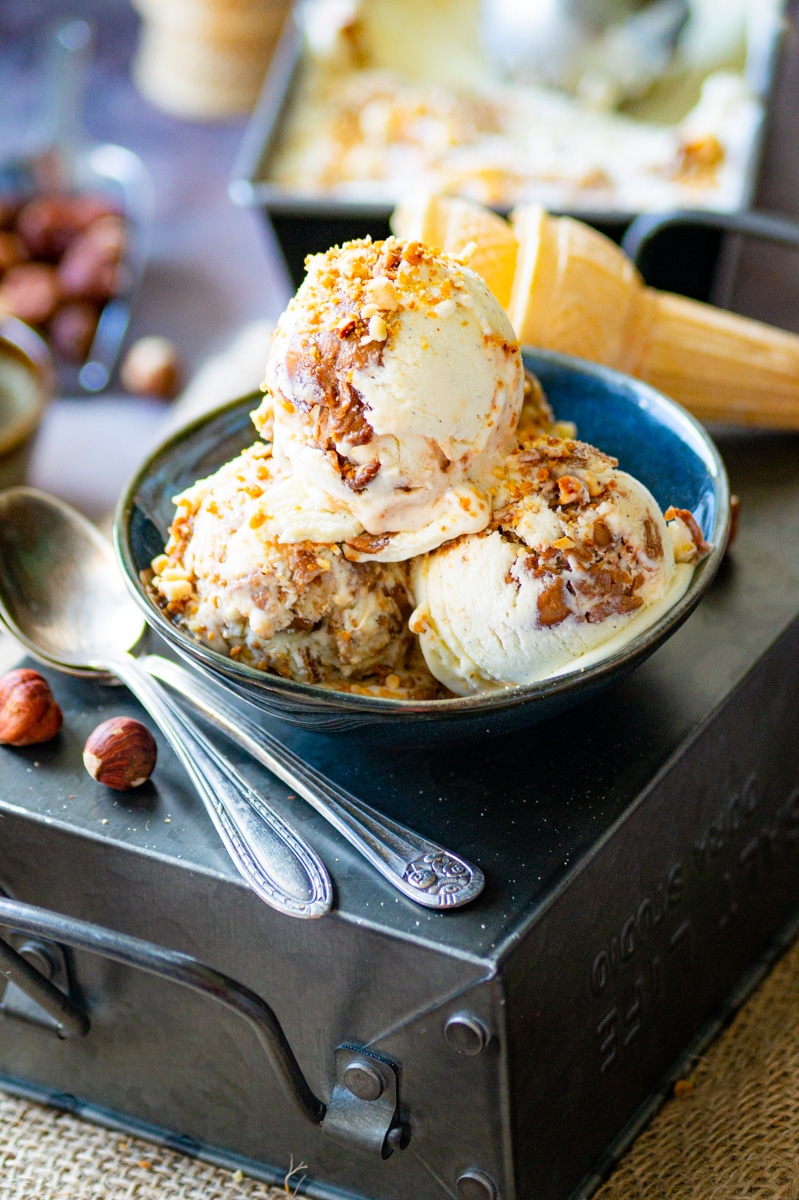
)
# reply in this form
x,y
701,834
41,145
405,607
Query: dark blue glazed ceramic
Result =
x,y
653,438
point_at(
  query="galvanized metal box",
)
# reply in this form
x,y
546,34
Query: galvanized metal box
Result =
x,y
641,856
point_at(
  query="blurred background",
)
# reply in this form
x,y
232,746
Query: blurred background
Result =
x,y
210,268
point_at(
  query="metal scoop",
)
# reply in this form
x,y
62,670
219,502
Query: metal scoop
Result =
x,y
605,50
57,156
64,600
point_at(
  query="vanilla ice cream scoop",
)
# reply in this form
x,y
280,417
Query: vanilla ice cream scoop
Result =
x,y
299,609
577,559
395,384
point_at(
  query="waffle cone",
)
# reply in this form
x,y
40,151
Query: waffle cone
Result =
x,y
574,290
451,224
719,365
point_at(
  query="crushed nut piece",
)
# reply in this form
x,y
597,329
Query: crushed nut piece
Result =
x,y
445,309
378,330
382,293
571,489
346,326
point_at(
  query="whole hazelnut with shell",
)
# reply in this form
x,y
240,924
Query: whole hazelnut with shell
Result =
x,y
28,710
120,753
152,367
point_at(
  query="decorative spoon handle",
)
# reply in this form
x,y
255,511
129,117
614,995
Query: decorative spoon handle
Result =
x,y
420,869
275,861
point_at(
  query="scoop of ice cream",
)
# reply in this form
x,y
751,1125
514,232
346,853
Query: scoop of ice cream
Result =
x,y
577,554
394,387
300,609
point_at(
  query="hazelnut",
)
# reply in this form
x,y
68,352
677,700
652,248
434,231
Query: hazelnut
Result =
x,y
90,268
120,753
152,367
30,292
12,250
72,330
28,710
47,224
9,208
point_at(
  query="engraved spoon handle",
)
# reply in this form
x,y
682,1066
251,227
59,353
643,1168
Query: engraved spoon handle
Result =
x,y
420,869
276,862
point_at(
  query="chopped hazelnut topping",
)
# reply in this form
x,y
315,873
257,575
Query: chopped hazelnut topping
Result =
x,y
347,325
699,547
413,253
378,330
571,489
382,293
595,488
174,590
699,156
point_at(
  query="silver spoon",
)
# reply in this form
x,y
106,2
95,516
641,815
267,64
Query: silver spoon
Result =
x,y
422,870
63,599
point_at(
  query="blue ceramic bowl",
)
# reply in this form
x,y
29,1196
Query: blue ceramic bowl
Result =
x,y
653,439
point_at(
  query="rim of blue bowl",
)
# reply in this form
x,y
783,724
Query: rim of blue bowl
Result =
x,y
240,675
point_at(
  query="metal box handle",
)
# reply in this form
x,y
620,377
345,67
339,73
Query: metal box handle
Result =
x,y
374,1127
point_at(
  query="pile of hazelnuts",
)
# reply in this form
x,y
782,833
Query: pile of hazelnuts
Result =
x,y
120,752
62,257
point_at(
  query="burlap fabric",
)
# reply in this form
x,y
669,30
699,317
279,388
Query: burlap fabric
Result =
x,y
731,1132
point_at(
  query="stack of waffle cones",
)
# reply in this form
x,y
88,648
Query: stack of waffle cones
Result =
x,y
205,59
567,287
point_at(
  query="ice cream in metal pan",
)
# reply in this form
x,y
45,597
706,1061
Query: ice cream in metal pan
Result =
x,y
395,93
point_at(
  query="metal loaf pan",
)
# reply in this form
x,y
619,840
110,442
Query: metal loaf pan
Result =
x,y
306,224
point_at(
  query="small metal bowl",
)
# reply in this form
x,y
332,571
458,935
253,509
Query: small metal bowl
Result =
x,y
653,438
26,387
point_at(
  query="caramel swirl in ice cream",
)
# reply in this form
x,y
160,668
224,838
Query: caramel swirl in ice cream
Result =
x,y
576,553
394,386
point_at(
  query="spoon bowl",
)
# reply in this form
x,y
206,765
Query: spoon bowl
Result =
x,y
61,591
